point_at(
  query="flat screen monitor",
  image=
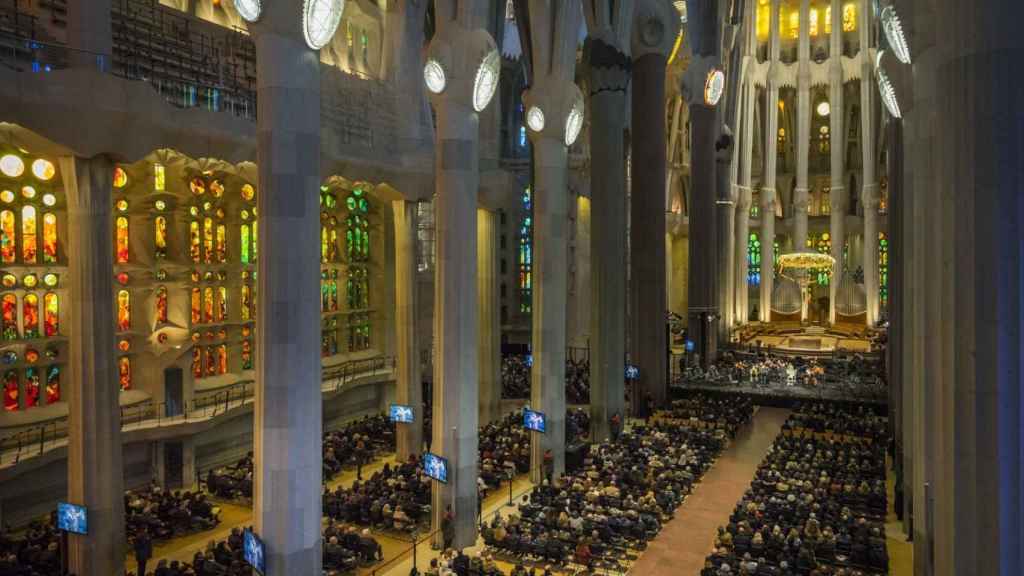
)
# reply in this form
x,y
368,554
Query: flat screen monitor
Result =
x,y
534,420
253,551
436,467
72,518
529,360
632,372
401,413
690,346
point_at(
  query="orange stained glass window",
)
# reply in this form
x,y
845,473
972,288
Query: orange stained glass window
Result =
x,y
49,238
124,372
30,315
124,310
160,236
52,384
10,316
51,314
222,243
208,305
208,239
197,362
161,305
246,297
10,391
193,240
210,357
8,244
222,304
222,359
29,240
32,387
122,239
246,355
197,306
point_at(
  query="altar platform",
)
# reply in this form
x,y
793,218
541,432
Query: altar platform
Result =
x,y
809,340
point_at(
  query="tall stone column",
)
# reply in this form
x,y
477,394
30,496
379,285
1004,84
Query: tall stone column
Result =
x,y
94,424
703,243
610,71
288,415
803,130
837,138
655,29
743,200
869,190
488,305
463,52
768,192
408,381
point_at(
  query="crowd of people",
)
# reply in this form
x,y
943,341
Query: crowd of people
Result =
x,y
35,553
723,412
857,419
355,444
515,378
601,515
165,514
816,506
393,498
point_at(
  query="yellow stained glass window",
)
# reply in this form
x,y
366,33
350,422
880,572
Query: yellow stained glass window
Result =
x,y
159,177
208,239
208,304
849,17
51,314
124,310
793,30
222,304
8,244
828,20
49,238
194,241
122,239
196,306
255,240
160,236
246,297
29,244
764,14
222,243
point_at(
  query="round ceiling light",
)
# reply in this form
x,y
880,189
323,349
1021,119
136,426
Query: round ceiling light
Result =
x,y
535,118
824,108
12,166
320,19
713,87
486,82
249,10
574,122
433,75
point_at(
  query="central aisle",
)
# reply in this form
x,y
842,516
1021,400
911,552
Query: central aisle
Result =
x,y
686,540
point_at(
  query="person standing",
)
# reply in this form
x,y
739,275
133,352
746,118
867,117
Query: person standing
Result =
x,y
360,456
448,528
143,550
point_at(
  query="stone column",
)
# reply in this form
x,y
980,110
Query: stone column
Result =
x,y
408,381
610,72
742,237
89,33
94,424
654,32
488,307
771,158
869,190
703,242
837,139
803,131
287,413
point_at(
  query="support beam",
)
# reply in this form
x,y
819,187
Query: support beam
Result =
x,y
837,136
488,306
408,380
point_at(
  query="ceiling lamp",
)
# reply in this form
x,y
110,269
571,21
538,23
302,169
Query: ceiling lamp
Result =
x,y
12,166
249,10
535,118
43,169
714,86
320,18
486,82
433,75
681,8
894,34
824,108
574,122
885,88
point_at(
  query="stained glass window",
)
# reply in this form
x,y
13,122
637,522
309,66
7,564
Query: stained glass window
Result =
x,y
526,254
208,239
754,260
814,22
161,305
222,304
30,315
222,359
883,268
8,244
822,244
197,306
246,355
124,372
245,244
29,244
49,238
246,302
197,362
849,17
32,386
122,239
10,391
255,240
222,243
358,332
124,311
194,241
159,177
208,304
10,316
160,236
51,314
52,384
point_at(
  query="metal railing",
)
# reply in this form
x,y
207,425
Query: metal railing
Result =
x,y
39,438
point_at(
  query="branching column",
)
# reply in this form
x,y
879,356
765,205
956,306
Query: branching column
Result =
x,y
408,383
94,423
837,144
803,130
869,192
771,159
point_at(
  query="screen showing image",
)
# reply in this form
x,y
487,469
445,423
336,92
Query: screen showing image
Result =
x,y
689,346
401,413
253,551
72,518
534,420
632,372
436,467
